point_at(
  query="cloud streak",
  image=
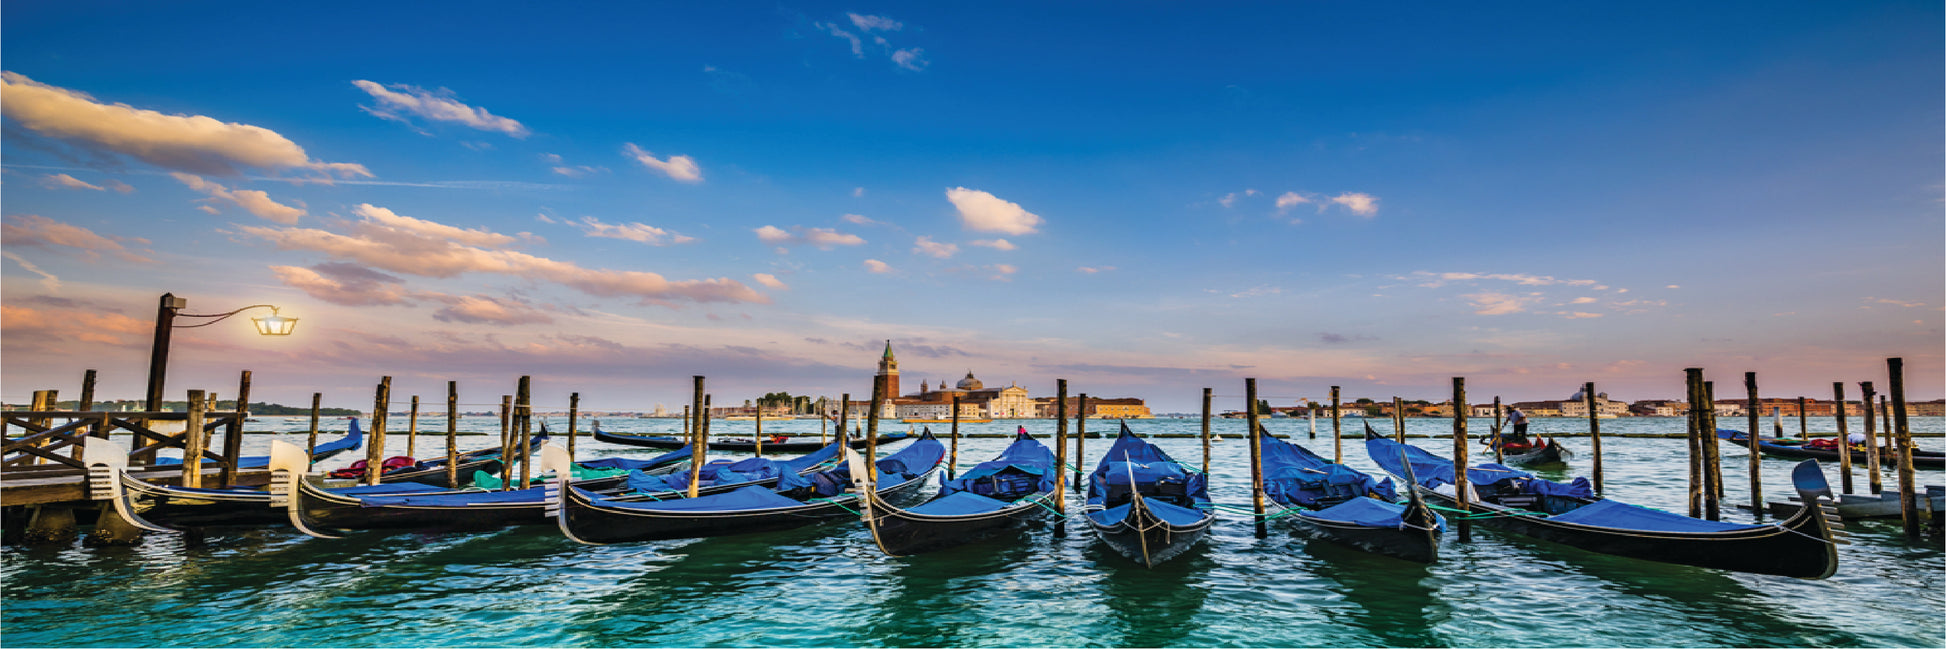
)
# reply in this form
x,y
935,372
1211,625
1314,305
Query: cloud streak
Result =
x,y
251,200
983,212
191,143
637,232
398,100
681,168
823,238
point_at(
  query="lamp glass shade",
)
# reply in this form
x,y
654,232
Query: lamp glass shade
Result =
x,y
275,325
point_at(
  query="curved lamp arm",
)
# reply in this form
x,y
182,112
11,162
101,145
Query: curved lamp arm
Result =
x,y
270,325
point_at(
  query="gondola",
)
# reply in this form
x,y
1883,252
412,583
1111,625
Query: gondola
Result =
x,y
737,445
1515,501
996,495
1145,505
1799,449
798,500
321,512
353,439
167,508
1537,452
1334,502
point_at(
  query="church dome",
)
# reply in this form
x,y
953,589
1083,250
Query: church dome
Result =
x,y
970,383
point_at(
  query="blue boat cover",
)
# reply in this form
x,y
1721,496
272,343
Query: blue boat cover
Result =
x,y
1367,512
1294,476
671,457
959,503
923,456
383,488
1028,460
1151,468
1171,514
352,439
1433,471
1608,513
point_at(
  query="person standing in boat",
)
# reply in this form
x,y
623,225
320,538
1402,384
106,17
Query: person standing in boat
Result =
x,y
1519,421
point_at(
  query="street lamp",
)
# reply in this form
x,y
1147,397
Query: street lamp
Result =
x,y
165,316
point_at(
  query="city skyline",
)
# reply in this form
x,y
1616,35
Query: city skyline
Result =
x,y
1145,201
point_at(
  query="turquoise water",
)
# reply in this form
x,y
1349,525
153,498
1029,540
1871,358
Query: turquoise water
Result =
x,y
828,585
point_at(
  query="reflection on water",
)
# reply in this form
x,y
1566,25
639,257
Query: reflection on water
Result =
x,y
1391,598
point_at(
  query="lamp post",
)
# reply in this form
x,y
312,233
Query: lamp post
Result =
x,y
165,317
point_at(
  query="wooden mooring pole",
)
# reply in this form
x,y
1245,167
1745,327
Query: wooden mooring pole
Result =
x,y
1253,436
574,415
233,433
1693,382
1337,430
1206,416
1756,458
697,445
412,431
871,433
1594,430
1080,437
1873,478
1499,456
524,416
1460,488
1902,436
1060,456
1844,434
375,449
952,459
1712,455
193,441
311,441
452,434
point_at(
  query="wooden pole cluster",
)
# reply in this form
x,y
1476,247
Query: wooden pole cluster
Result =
x,y
1255,437
1080,437
1206,415
1901,435
1844,434
1337,430
1756,458
452,434
233,433
1871,438
375,447
697,443
1461,490
1060,455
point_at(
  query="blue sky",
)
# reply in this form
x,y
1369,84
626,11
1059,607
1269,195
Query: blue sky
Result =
x,y
1145,199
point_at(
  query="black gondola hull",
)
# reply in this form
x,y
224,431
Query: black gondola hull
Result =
x,y
1797,547
587,521
1410,544
901,533
1148,540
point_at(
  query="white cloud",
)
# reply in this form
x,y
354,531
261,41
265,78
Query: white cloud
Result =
x,y
875,23
1583,300
48,280
860,219
681,167
1228,200
1289,200
926,246
857,192
637,232
910,59
857,46
1578,315
823,238
436,106
771,281
191,143
252,201
983,212
996,244
1436,280
1090,270
876,266
1359,203
64,181
1491,303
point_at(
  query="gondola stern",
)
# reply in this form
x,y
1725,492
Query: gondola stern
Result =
x,y
107,463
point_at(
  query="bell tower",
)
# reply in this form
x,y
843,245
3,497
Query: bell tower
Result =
x,y
888,374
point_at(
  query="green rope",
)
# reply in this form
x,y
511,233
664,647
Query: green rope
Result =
x,y
840,505
1042,502
1468,515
